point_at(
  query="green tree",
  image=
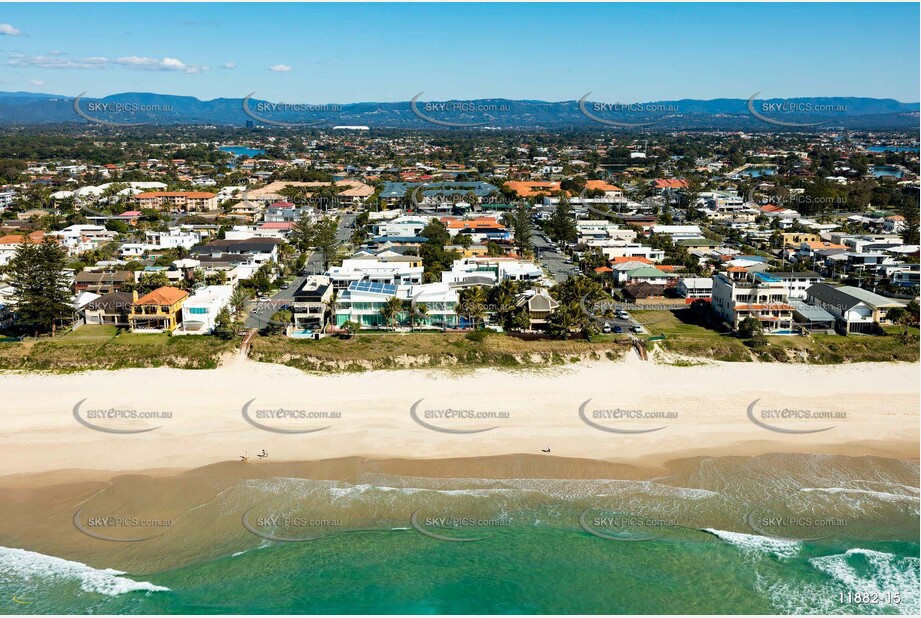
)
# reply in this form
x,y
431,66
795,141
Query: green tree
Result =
x,y
561,227
522,229
238,299
391,310
223,324
325,239
472,304
41,292
417,311
749,328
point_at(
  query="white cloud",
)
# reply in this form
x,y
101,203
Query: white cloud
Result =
x,y
37,82
229,65
280,68
9,30
164,64
56,62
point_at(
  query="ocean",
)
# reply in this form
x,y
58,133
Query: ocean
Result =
x,y
725,536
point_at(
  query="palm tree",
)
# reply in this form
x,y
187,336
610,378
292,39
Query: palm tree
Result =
x,y
391,309
473,304
565,320
416,311
238,299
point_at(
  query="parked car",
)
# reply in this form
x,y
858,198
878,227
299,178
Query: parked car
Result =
x,y
636,329
285,286
606,328
622,315
618,329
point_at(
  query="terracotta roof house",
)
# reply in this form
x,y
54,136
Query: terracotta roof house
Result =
x,y
157,311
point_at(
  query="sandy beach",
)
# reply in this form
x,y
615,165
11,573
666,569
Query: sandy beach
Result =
x,y
368,448
866,409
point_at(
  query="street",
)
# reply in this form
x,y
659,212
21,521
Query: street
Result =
x,y
550,258
260,313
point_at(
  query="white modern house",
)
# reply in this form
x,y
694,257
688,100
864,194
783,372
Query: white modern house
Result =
x,y
199,312
391,272
631,250
679,232
362,301
77,239
155,241
403,226
482,270
695,287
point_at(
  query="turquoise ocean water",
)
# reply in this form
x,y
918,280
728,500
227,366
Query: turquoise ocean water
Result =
x,y
731,537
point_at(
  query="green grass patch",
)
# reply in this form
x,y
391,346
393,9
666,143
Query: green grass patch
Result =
x,y
689,339
430,350
103,347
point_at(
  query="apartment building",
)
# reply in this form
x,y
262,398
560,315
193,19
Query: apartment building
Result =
x,y
177,201
737,296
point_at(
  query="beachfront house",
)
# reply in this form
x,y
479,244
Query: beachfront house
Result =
x,y
200,311
362,302
737,296
539,305
159,311
855,310
110,309
311,306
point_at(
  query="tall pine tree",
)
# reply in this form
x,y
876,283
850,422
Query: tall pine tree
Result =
x,y
40,288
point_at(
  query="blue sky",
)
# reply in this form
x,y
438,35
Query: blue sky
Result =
x,y
337,53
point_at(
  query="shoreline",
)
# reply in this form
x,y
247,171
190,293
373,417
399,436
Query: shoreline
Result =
x,y
204,511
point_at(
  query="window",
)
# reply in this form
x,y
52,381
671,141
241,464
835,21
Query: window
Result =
x,y
198,310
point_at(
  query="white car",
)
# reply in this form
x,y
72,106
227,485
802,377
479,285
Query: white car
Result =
x,y
622,315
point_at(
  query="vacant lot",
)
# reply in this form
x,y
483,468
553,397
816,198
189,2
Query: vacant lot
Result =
x,y
420,350
689,339
103,347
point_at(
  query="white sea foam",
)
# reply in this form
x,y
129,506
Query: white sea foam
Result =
x,y
875,572
754,544
882,495
29,564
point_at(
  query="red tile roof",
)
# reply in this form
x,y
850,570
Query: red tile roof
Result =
x,y
165,295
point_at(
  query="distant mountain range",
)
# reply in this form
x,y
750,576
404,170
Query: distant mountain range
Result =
x,y
857,113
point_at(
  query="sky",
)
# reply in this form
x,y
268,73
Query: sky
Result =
x,y
344,53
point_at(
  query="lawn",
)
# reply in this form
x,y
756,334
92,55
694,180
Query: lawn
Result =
x,y
683,337
417,350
